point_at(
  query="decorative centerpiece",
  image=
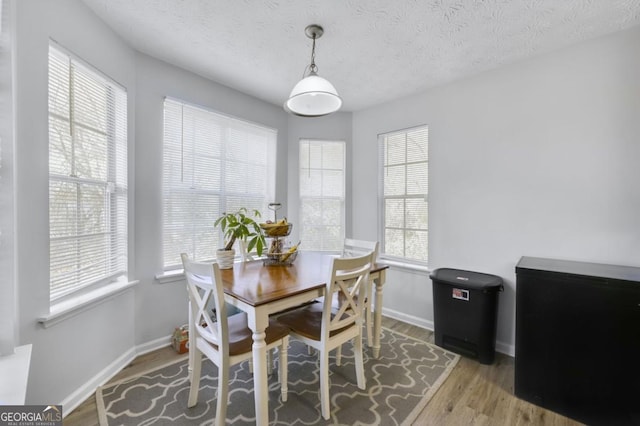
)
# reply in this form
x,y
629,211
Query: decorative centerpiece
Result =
x,y
278,254
239,226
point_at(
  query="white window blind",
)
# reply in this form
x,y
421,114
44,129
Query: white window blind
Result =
x,y
404,185
322,193
212,164
87,176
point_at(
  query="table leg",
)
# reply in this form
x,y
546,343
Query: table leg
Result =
x,y
260,380
377,319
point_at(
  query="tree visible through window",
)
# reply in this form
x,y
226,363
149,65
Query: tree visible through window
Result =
x,y
87,176
404,181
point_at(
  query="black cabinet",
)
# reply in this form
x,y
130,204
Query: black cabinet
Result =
x,y
578,339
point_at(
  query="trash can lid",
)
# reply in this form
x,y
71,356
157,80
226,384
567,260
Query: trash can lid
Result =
x,y
467,279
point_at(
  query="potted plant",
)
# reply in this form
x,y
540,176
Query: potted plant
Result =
x,y
239,226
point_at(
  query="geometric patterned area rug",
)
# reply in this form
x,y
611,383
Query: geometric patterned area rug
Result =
x,y
398,386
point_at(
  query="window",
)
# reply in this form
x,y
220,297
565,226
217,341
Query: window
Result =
x,y
212,164
87,176
322,189
404,188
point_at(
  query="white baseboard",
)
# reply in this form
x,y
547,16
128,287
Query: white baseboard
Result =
x,y
506,348
409,319
153,345
72,401
85,391
501,347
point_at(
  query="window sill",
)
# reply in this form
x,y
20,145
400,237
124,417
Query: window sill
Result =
x,y
406,266
14,370
60,311
170,276
174,275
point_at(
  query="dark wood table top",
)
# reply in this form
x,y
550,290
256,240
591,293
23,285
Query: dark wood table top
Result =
x,y
256,284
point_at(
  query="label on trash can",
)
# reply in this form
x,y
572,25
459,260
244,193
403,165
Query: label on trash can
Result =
x,y
458,293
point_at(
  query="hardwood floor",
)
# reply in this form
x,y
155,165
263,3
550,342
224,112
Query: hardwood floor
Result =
x,y
474,394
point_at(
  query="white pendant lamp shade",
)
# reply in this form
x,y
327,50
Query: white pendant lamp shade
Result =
x,y
313,96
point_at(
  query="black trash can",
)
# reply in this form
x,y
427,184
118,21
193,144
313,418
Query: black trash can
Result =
x,y
465,310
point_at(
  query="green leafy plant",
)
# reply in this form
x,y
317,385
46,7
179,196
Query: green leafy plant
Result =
x,y
240,226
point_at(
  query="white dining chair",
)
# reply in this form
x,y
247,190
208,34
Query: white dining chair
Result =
x,y
245,254
352,248
326,326
226,341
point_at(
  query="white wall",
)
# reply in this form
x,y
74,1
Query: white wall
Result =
x,y
538,158
7,283
66,355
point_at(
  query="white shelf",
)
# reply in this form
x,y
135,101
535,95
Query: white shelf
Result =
x,y
14,370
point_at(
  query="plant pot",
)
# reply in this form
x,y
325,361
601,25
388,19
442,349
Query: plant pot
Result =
x,y
225,258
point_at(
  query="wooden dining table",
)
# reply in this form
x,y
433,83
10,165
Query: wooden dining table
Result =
x,y
262,290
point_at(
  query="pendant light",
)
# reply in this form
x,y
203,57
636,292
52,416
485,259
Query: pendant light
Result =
x,y
313,96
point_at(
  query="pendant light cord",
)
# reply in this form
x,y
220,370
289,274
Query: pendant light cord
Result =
x,y
313,69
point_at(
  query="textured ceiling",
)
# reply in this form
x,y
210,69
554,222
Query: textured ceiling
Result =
x,y
372,51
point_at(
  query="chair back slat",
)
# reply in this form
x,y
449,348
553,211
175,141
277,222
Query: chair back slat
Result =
x,y
348,283
353,248
205,290
245,254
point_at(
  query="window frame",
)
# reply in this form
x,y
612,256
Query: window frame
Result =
x,y
400,260
113,186
341,198
223,193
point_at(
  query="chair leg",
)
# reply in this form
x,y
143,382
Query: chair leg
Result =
x,y
195,377
284,368
269,362
191,350
223,393
359,360
339,355
325,402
